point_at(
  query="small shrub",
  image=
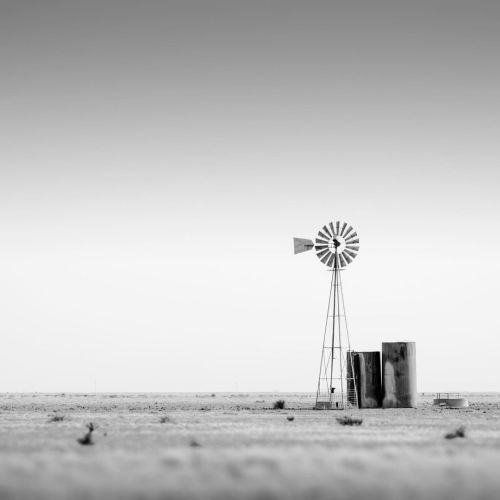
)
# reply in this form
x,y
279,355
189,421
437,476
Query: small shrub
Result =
x,y
194,443
56,418
165,420
349,420
290,418
457,433
87,439
279,405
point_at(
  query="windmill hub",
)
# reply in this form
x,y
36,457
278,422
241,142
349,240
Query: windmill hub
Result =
x,y
336,243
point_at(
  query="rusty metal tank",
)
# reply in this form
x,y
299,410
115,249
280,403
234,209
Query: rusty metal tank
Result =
x,y
399,375
366,366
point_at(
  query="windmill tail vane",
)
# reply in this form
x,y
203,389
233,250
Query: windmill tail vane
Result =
x,y
302,245
336,245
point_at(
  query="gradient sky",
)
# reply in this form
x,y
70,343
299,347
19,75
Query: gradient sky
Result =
x,y
157,157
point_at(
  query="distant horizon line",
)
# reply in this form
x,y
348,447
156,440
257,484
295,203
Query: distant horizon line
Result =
x,y
209,393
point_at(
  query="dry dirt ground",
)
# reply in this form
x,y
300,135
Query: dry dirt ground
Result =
x,y
223,446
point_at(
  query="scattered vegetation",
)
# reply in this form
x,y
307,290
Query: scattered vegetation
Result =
x,y
87,439
349,420
194,443
56,418
279,405
457,433
165,420
290,418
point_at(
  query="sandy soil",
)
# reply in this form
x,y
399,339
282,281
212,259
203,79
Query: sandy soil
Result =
x,y
244,449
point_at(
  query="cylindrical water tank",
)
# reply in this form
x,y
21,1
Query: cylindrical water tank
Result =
x,y
399,375
369,383
366,366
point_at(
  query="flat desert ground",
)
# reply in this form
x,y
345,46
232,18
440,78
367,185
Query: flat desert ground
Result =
x,y
224,446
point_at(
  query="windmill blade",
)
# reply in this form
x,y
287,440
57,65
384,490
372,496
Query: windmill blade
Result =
x,y
343,263
325,257
321,241
327,231
330,260
352,236
349,229
344,225
323,235
346,257
302,245
350,253
322,253
337,226
320,247
331,227
353,248
352,242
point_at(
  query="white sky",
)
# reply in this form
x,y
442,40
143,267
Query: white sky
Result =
x,y
157,160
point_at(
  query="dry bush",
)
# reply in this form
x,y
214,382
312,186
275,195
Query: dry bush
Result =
x,y
279,405
87,439
349,420
290,418
56,418
165,420
457,433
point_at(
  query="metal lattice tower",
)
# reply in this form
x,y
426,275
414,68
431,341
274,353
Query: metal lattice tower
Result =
x,y
336,245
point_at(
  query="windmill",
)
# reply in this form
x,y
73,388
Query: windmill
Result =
x,y
336,245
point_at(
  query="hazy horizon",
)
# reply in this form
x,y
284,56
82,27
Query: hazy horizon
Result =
x,y
159,157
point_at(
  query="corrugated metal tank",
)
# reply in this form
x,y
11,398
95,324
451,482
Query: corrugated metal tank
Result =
x,y
399,375
366,366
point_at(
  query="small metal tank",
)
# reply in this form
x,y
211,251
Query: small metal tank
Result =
x,y
369,383
366,367
399,375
